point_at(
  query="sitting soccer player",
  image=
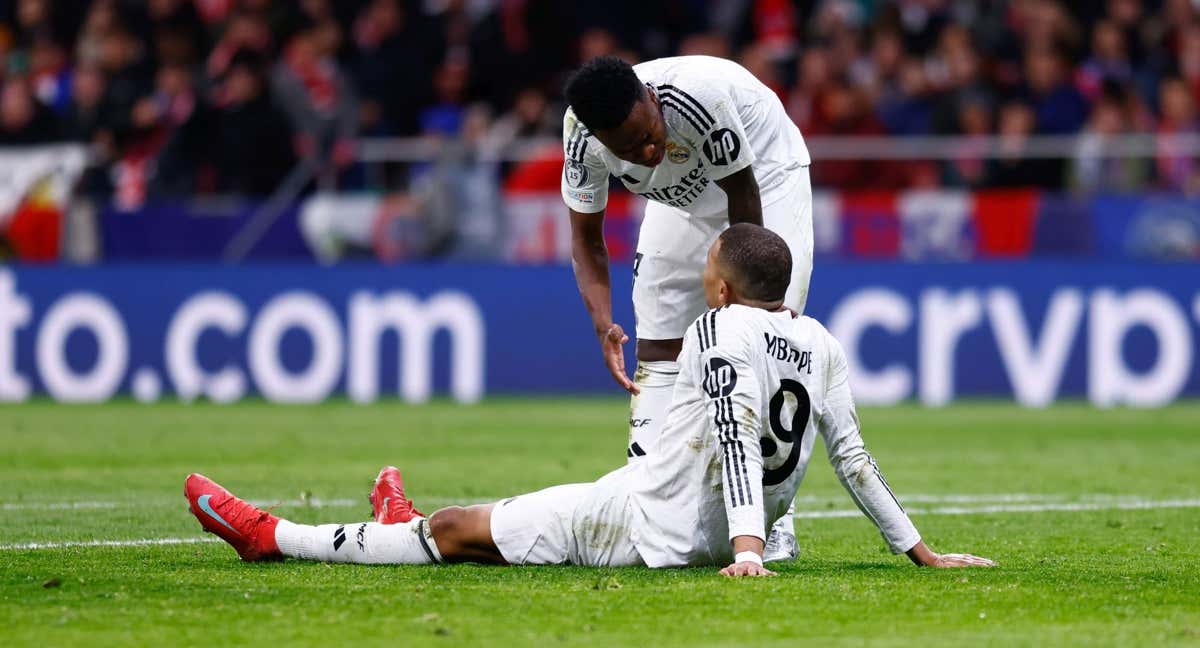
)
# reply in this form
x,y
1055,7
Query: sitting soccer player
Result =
x,y
756,385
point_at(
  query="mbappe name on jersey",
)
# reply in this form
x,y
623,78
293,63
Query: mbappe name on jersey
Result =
x,y
778,348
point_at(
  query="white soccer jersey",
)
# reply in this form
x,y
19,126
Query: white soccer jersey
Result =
x,y
754,390
720,119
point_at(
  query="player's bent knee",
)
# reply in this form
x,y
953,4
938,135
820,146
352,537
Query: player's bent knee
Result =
x,y
446,526
465,534
461,531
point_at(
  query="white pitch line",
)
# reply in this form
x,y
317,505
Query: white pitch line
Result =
x,y
1119,505
1127,504
51,506
261,503
143,542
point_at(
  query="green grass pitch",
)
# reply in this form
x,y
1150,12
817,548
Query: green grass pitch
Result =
x,y
1093,515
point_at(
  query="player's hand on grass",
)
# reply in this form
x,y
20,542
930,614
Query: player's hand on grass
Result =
x,y
746,568
922,555
962,560
614,356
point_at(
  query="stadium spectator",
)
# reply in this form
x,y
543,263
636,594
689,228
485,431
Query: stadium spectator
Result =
x,y
844,112
904,105
960,81
250,148
1016,123
1108,63
530,117
1188,59
1094,168
974,120
50,74
246,32
178,32
23,120
392,95
1176,171
177,130
85,120
320,104
445,116
1058,106
814,78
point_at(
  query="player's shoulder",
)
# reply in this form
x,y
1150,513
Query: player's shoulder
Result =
x,y
689,90
819,338
730,326
575,136
696,73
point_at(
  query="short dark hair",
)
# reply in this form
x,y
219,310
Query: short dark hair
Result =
x,y
603,92
758,260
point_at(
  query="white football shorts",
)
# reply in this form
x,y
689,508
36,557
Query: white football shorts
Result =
x,y
668,291
576,524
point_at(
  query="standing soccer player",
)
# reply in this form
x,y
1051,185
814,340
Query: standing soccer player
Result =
x,y
708,145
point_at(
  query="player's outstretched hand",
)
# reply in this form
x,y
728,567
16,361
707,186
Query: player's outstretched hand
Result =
x,y
614,356
746,568
962,560
921,554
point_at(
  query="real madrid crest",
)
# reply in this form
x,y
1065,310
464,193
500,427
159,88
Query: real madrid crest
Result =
x,y
677,154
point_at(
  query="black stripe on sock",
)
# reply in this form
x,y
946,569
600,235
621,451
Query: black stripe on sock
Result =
x,y
424,543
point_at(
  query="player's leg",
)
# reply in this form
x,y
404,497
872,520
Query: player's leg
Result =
x,y
454,534
791,218
460,534
668,296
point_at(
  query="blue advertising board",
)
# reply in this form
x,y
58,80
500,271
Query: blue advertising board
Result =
x,y
1115,333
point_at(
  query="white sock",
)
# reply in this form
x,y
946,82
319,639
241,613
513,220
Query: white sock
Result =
x,y
368,543
648,410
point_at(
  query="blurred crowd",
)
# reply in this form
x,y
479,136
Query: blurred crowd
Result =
x,y
180,97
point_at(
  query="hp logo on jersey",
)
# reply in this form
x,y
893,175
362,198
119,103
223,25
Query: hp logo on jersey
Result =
x,y
575,173
719,378
722,147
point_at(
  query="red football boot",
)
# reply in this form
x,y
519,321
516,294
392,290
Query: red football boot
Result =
x,y
388,502
249,530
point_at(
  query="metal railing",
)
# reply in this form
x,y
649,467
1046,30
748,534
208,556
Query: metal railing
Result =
x,y
823,147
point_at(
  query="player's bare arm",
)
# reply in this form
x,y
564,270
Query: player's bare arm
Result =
x,y
745,205
589,259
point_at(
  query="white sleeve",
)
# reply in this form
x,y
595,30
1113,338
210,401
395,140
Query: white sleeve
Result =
x,y
854,466
585,178
733,402
721,132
